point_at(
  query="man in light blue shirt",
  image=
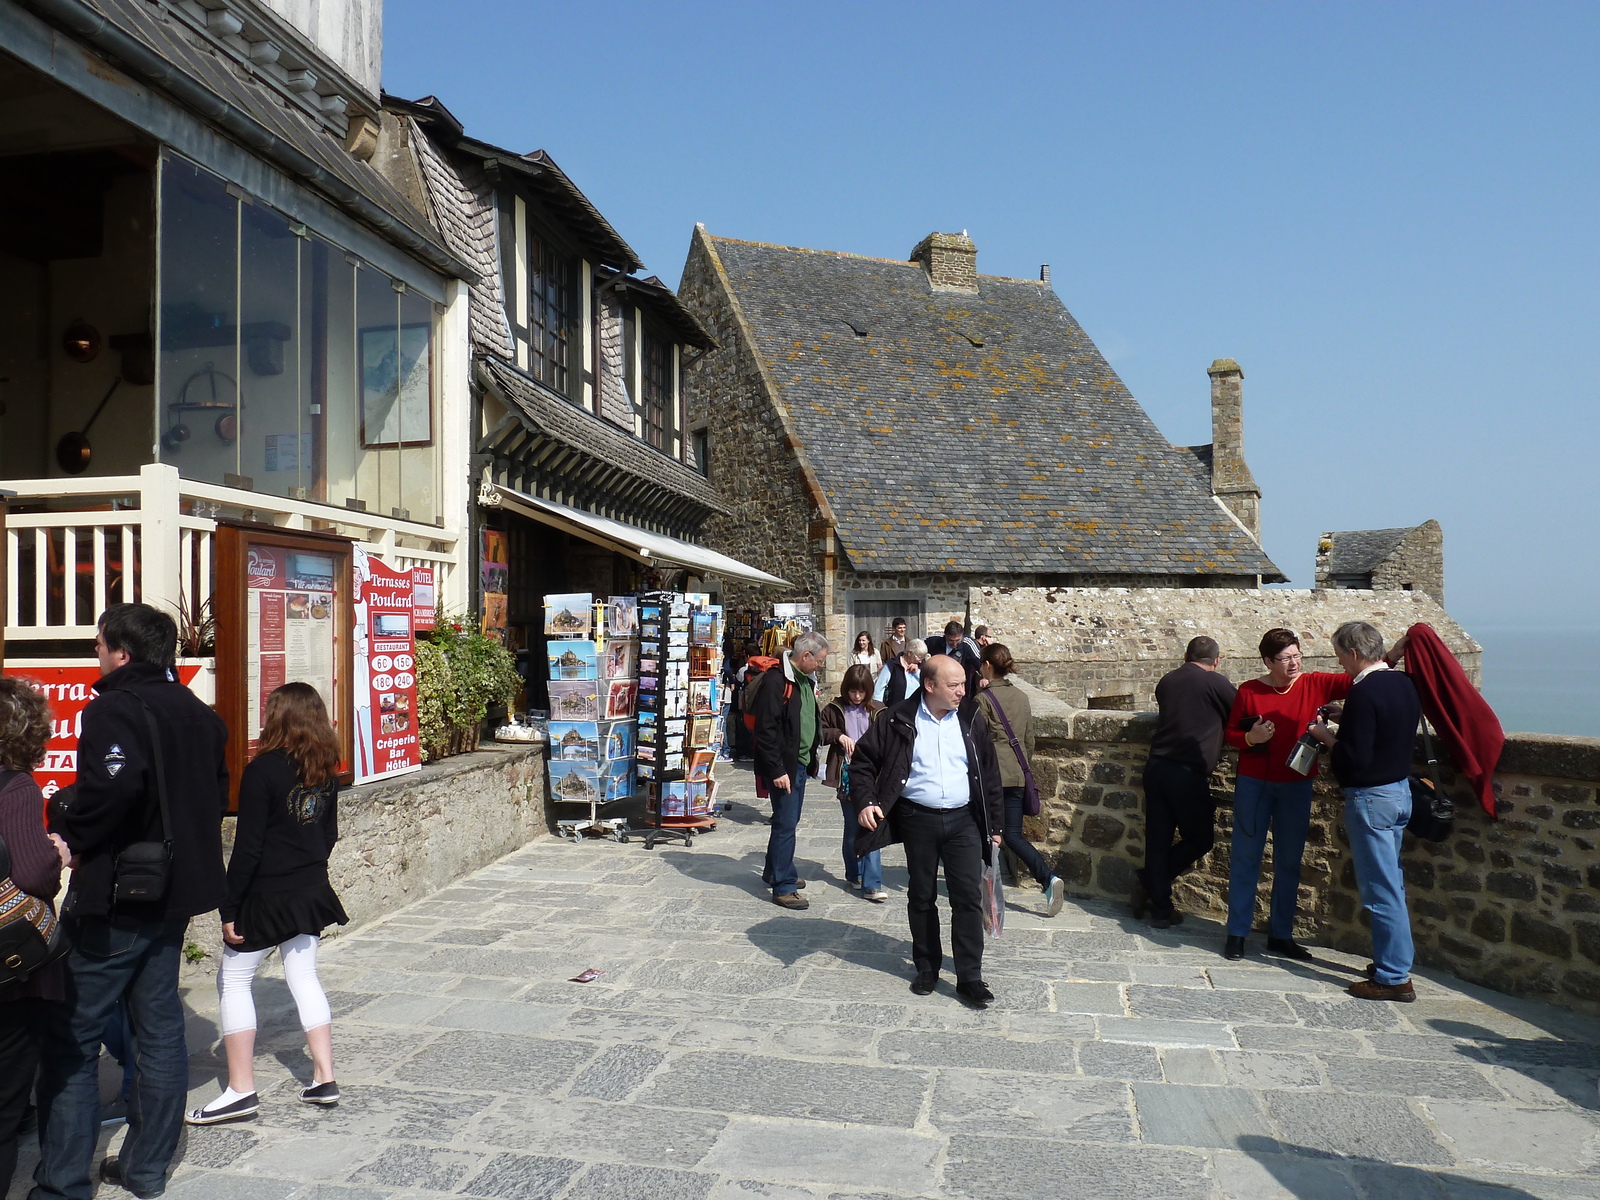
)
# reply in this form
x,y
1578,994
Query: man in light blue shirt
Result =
x,y
925,775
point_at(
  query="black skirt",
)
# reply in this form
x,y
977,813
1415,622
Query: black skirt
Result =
x,y
268,919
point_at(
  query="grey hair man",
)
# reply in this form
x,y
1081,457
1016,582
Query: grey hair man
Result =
x,y
1371,759
787,740
902,675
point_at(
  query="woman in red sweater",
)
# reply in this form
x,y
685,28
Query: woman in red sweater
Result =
x,y
1269,715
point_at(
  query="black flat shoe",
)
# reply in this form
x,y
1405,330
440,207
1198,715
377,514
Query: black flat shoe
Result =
x,y
922,985
320,1093
244,1106
975,993
1290,948
1233,947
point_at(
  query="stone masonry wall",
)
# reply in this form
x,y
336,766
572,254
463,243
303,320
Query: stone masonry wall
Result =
x,y
405,839
1513,904
773,524
1081,644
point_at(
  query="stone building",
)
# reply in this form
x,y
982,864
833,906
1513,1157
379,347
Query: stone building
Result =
x,y
888,434
1384,560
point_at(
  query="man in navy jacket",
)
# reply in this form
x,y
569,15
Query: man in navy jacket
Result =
x,y
1372,761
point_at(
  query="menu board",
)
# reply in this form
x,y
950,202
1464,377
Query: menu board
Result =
x,y
385,670
290,598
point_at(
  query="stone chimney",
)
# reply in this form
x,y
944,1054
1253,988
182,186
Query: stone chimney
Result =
x,y
951,261
1231,481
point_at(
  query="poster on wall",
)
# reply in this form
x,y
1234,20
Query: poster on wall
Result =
x,y
289,627
68,691
424,600
387,743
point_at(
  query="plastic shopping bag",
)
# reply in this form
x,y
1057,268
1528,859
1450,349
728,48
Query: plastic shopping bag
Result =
x,y
994,895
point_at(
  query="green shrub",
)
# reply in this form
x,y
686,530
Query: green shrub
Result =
x,y
460,674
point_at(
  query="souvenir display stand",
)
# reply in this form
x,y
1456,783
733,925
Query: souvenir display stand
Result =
x,y
592,651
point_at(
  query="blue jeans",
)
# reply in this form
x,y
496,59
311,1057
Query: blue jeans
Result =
x,y
1375,818
778,872
1286,809
108,962
868,871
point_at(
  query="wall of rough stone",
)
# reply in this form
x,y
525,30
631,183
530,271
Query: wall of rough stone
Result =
x,y
403,840
1513,904
774,520
1082,644
1416,564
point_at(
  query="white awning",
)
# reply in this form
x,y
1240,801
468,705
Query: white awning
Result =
x,y
636,543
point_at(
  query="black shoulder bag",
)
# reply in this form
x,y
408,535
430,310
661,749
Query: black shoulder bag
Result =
x,y
30,933
1433,814
144,869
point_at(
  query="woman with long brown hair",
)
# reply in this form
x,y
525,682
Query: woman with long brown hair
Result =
x,y
279,894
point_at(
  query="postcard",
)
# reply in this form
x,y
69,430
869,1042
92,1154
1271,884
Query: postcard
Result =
x,y
649,666
576,783
619,780
680,607
572,659
618,739
569,614
700,765
675,704
699,733
621,660
650,629
703,629
650,612
677,728
702,697
622,616
574,700
621,697
699,795
574,741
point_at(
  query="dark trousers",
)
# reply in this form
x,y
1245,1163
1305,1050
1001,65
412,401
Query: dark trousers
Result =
x,y
1025,851
21,1027
1177,797
139,961
778,872
950,836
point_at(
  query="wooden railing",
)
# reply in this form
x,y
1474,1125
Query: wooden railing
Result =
x,y
92,542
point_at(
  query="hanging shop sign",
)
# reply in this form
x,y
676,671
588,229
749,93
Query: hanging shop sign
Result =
x,y
385,661
68,691
424,600
284,615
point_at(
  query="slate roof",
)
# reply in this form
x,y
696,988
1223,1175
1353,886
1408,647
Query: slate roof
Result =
x,y
331,169
1358,551
981,433
611,461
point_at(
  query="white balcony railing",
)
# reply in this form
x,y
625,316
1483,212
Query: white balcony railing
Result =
x,y
150,537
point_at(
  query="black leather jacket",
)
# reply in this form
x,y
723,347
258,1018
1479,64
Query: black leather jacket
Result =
x,y
882,763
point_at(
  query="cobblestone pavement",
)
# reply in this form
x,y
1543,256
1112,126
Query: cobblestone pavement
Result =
x,y
733,1049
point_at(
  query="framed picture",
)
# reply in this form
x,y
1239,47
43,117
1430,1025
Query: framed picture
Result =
x,y
396,385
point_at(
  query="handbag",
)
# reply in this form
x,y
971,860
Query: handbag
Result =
x,y
30,933
1030,790
144,869
1433,814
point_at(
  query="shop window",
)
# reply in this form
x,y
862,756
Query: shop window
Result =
x,y
656,399
549,314
288,365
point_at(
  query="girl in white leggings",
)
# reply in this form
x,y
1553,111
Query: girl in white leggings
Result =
x,y
279,894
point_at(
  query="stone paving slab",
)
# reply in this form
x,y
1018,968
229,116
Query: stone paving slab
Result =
x,y
735,1051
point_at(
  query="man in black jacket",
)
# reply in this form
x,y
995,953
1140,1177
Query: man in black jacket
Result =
x,y
788,735
957,646
122,949
1372,761
925,775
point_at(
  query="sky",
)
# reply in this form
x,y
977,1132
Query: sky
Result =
x,y
1384,212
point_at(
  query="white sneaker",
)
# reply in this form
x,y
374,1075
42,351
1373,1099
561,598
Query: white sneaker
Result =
x,y
1055,894
877,897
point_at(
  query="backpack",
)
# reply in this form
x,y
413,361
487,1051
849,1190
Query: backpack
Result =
x,y
758,669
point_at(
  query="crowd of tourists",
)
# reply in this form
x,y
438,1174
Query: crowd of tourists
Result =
x,y
934,753
141,832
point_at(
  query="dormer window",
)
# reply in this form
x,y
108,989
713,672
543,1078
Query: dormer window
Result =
x,y
656,406
549,313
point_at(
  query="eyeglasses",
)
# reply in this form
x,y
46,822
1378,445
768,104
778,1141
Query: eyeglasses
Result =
x,y
1288,659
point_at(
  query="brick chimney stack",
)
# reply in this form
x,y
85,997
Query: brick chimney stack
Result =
x,y
1231,480
951,261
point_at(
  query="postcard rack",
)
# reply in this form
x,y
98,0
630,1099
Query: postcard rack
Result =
x,y
593,655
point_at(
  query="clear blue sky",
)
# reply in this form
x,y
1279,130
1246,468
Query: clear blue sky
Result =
x,y
1385,212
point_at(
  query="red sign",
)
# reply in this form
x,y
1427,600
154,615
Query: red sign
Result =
x,y
386,671
69,690
424,600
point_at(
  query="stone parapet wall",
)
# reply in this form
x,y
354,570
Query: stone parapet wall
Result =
x,y
1086,644
1513,904
403,840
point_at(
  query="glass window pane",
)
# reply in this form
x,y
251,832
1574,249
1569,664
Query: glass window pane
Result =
x,y
419,465
274,432
380,415
198,365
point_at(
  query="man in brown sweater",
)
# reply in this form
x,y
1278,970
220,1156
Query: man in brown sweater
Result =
x,y
1194,702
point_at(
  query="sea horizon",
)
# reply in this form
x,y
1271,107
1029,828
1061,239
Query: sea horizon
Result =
x,y
1542,678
